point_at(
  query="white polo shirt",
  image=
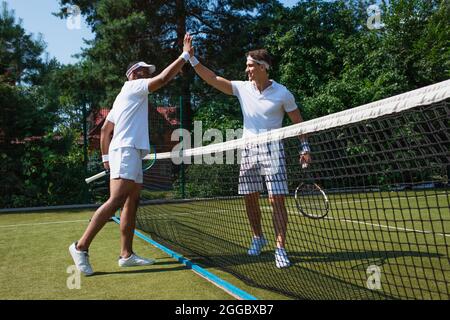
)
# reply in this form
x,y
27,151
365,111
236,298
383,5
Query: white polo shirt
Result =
x,y
130,116
263,111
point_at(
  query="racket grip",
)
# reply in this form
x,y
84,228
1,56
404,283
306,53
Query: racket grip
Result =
x,y
97,176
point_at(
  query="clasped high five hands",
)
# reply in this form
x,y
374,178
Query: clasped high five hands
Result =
x,y
187,44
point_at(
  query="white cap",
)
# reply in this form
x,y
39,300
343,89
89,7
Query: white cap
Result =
x,y
138,65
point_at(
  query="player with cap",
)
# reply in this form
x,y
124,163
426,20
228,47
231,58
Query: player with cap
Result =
x,y
264,103
124,142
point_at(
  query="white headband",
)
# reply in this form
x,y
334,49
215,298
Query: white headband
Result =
x,y
264,63
138,65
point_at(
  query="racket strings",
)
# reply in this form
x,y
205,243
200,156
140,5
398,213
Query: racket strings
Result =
x,y
311,200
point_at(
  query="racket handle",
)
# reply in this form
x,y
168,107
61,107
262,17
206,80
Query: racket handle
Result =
x,y
97,176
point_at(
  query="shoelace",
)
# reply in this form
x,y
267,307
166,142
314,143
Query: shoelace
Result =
x,y
281,254
86,256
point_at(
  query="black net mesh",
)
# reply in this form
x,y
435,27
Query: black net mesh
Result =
x,y
386,233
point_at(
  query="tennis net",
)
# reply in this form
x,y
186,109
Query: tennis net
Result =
x,y
369,217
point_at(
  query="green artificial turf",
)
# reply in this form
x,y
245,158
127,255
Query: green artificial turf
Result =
x,y
35,260
404,234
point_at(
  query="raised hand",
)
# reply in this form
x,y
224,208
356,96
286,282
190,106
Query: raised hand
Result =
x,y
191,52
187,44
305,159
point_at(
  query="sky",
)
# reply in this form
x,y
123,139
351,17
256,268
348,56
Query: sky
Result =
x,y
64,38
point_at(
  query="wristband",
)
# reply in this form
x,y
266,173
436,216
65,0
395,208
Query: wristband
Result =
x,y
193,60
304,147
105,158
185,55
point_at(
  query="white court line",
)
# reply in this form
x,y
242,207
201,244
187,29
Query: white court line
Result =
x,y
386,226
383,199
331,200
390,227
360,222
383,226
353,221
41,223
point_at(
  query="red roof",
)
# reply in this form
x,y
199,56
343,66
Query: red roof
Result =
x,y
97,120
101,115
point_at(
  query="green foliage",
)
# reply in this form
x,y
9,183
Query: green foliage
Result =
x,y
331,61
323,52
23,109
51,171
99,189
206,181
40,162
153,31
417,39
220,112
19,52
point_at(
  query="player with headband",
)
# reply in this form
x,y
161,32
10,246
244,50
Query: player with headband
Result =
x,y
264,102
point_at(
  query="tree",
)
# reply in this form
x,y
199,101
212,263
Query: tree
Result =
x,y
128,30
19,63
417,39
38,158
332,61
19,52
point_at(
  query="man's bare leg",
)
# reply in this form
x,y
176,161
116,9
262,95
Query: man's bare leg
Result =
x,y
280,219
254,213
128,221
120,190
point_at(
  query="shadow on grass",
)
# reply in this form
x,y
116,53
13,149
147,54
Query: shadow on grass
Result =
x,y
378,257
140,271
198,244
313,275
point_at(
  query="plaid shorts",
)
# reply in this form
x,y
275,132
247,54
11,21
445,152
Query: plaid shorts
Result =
x,y
263,162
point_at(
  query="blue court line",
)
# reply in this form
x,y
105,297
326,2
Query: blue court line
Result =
x,y
208,275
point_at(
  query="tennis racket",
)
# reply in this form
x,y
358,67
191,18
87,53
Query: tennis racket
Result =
x,y
147,162
311,200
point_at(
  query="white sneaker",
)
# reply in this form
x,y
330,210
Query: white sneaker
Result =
x,y
281,258
135,261
81,259
257,244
